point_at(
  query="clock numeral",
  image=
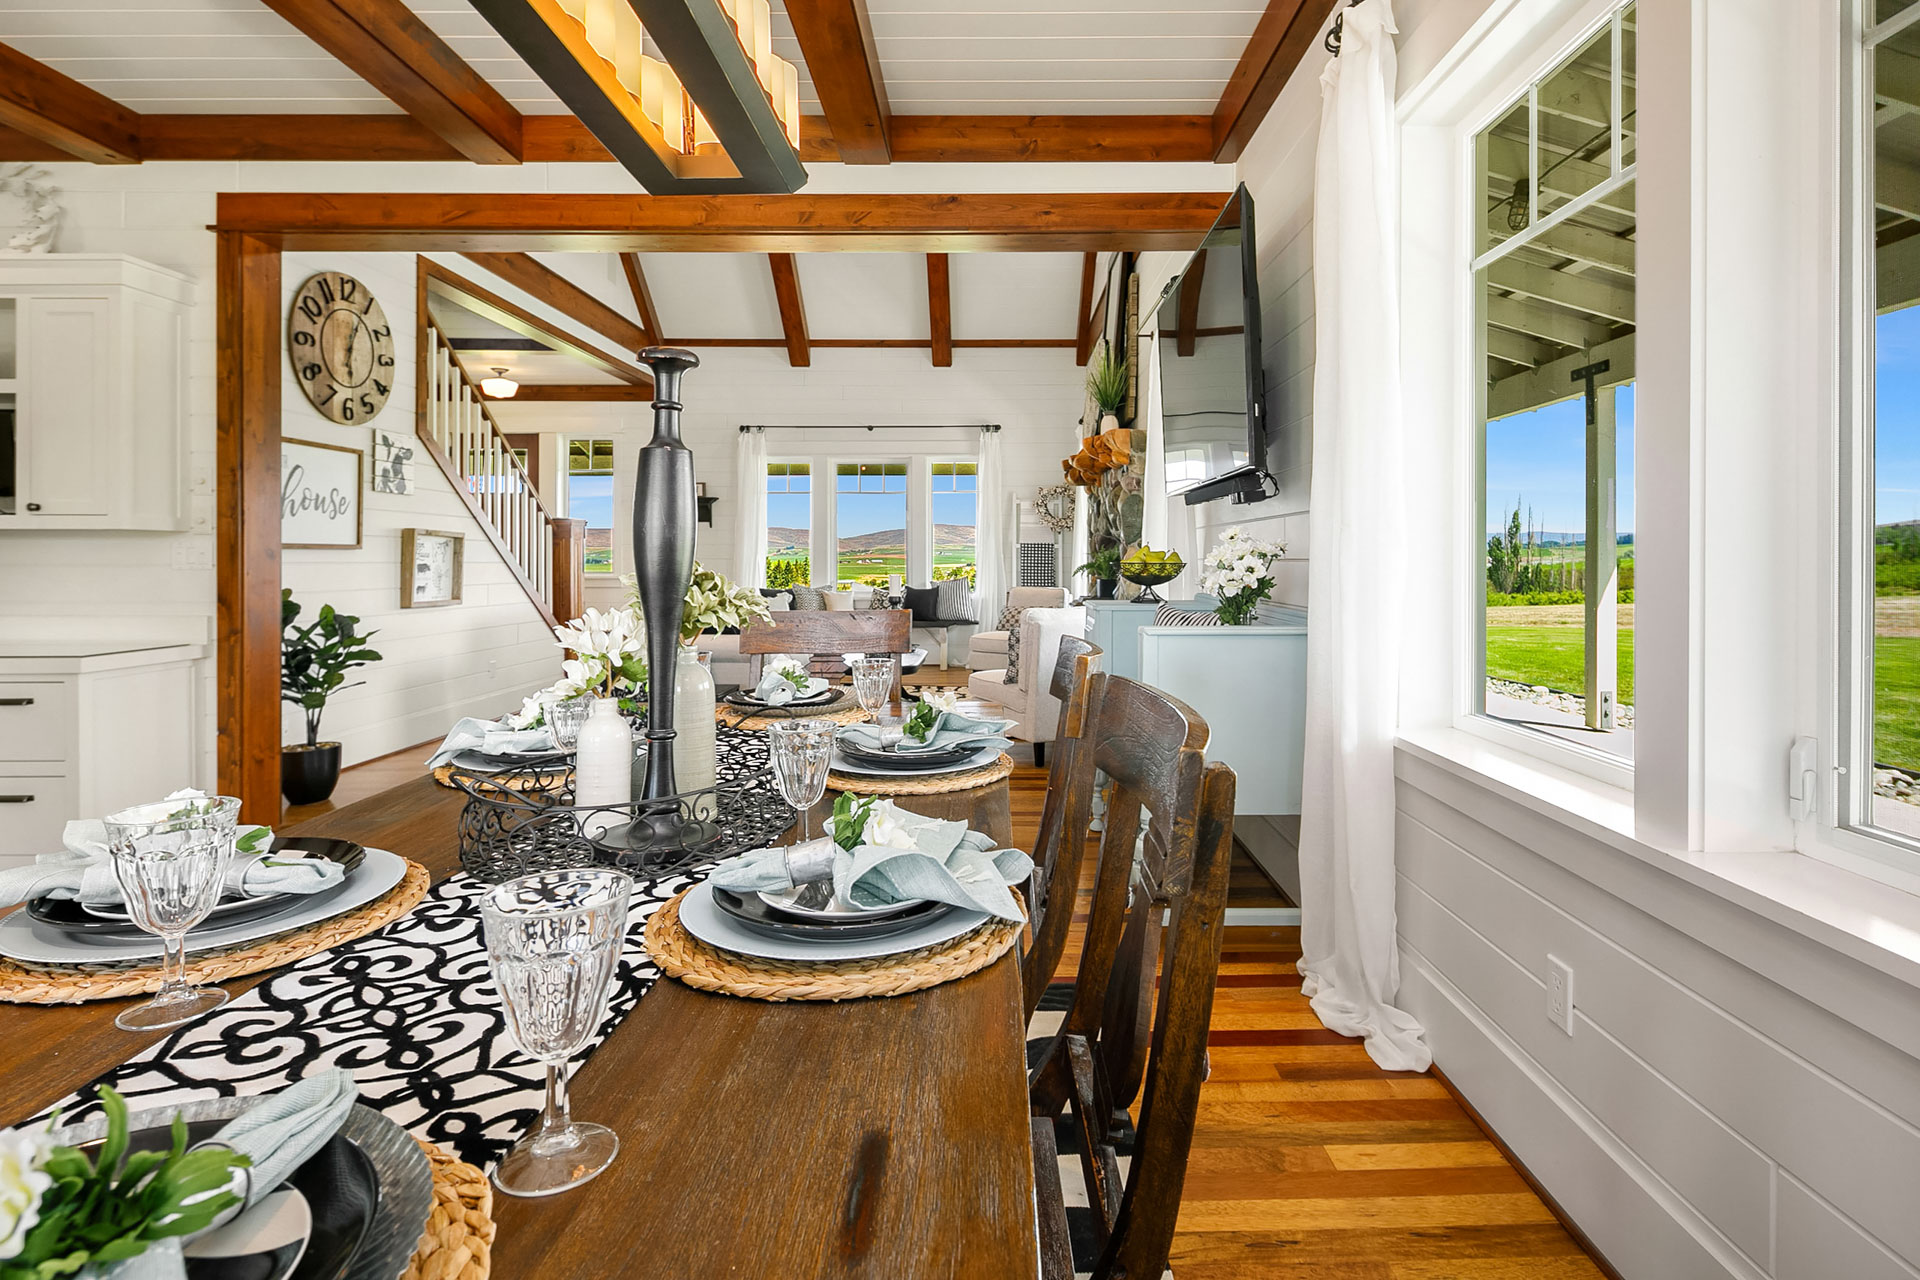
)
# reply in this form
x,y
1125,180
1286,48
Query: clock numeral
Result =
x,y
348,285
346,410
366,406
385,362
326,290
368,309
381,333
302,338
309,371
330,394
381,387
310,307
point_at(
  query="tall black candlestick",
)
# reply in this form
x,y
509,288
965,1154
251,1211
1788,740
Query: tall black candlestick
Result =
x,y
663,520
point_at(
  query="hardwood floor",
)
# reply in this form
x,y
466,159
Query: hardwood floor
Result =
x,y
1309,1162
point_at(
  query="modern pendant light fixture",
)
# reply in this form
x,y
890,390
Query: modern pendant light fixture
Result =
x,y
499,386
716,110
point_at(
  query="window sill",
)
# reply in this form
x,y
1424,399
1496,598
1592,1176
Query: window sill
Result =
x,y
1867,921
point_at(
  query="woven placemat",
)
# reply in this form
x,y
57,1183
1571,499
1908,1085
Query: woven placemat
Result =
x,y
844,708
861,784
458,1241
681,955
22,983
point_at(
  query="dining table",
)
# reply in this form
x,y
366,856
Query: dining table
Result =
x,y
880,1137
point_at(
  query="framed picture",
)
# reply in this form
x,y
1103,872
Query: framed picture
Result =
x,y
392,463
431,563
320,495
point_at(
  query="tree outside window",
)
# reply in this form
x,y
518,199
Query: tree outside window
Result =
x,y
590,498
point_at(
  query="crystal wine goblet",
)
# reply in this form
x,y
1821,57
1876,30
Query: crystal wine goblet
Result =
x,y
564,718
802,752
171,858
873,684
553,941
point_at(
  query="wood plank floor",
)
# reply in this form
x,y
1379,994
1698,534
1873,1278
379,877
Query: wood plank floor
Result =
x,y
1309,1162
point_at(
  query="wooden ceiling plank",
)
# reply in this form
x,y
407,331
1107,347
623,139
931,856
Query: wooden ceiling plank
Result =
x,y
793,312
1083,331
482,301
643,299
386,44
580,392
55,110
543,283
1284,34
914,222
940,310
1191,286
836,42
1576,293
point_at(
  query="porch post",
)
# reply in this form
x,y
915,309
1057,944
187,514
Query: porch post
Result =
x,y
1603,562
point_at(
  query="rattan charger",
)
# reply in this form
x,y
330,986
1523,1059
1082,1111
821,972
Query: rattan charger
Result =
x,y
681,955
861,784
458,1241
22,983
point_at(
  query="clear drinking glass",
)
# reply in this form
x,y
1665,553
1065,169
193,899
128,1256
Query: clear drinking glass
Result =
x,y
564,718
873,684
171,858
802,752
553,940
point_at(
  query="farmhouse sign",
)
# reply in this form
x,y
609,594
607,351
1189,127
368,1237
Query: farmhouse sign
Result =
x,y
319,495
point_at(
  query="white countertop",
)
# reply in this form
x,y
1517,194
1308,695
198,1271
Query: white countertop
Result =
x,y
47,657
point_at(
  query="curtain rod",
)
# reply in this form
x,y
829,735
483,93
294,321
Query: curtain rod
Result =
x,y
848,426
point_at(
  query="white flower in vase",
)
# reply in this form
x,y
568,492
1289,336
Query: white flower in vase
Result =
x,y
23,1184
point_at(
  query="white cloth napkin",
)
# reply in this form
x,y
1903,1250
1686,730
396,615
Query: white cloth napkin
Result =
x,y
84,870
489,737
776,690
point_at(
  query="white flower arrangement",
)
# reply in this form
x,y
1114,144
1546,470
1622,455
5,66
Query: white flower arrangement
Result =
x,y
609,653
23,1183
714,602
1238,572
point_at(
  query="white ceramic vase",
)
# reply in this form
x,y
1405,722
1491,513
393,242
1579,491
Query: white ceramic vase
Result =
x,y
694,760
1109,422
603,766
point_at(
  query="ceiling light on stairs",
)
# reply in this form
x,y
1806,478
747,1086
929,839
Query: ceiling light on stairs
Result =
x,y
499,386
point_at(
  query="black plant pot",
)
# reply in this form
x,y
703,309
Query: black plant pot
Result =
x,y
1106,588
308,775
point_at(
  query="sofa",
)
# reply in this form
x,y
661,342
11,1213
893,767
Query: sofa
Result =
x,y
729,666
1027,700
988,649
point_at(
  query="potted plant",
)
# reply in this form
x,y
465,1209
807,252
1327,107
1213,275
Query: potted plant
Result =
x,y
1104,568
1107,384
314,660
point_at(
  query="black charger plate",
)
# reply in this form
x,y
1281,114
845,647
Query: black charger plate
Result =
x,y
754,914
745,698
67,914
904,759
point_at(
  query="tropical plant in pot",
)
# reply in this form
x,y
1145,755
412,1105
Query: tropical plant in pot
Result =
x,y
1104,567
1107,384
314,660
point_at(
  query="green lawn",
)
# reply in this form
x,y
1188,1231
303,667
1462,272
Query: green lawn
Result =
x,y
1552,656
1896,701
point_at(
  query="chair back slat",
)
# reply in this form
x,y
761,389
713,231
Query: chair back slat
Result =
x,y
825,634
1060,850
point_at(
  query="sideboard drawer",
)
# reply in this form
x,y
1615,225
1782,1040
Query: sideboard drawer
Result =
x,y
36,720
33,813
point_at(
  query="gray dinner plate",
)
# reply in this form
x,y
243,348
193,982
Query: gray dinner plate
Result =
x,y
752,911
842,763
704,920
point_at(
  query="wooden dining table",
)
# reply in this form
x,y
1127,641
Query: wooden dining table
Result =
x,y
869,1138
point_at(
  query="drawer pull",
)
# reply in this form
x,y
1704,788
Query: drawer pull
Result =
x,y
16,799
16,702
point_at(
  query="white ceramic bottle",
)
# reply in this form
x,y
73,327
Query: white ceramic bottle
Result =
x,y
694,761
603,766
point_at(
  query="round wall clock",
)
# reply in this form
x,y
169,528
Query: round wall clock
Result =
x,y
341,347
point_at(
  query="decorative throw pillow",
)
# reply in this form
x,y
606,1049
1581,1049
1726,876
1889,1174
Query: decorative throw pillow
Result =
x,y
877,599
1172,615
925,603
956,599
809,598
1010,619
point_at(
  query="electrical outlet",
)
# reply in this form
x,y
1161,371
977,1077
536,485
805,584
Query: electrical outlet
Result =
x,y
1560,994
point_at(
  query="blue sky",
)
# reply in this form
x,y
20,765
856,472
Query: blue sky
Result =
x,y
590,498
1539,459
859,513
1896,453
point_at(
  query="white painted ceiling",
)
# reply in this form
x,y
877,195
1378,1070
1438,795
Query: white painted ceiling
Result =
x,y
987,57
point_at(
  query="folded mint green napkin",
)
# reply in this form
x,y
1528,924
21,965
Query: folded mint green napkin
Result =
x,y
950,729
84,869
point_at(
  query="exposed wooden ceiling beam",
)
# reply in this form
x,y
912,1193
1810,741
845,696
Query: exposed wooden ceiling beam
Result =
x,y
940,309
1576,293
1550,324
793,312
916,222
59,112
1083,330
1191,285
541,282
578,392
1517,348
1284,34
1553,382
457,290
836,40
642,299
1585,244
387,45
878,344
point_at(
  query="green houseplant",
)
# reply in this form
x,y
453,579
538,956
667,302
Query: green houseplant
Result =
x,y
314,660
1107,384
1104,567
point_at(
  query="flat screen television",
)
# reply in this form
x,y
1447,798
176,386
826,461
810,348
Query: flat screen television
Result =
x,y
1212,389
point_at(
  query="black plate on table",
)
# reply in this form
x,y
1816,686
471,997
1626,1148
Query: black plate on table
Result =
x,y
69,915
339,1183
868,756
752,913
745,698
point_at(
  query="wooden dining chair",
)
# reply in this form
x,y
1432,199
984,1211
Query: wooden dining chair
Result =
x,y
826,634
1138,1023
1059,851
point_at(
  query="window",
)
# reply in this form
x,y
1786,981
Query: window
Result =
x,y
590,498
870,521
1554,284
789,523
1881,650
956,519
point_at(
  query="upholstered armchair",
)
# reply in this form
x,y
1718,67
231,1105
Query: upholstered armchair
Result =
x,y
988,649
1027,700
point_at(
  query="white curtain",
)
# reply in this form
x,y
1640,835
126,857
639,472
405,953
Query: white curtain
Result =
x,y
750,515
1349,958
994,509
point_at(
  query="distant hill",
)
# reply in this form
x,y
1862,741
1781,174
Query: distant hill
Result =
x,y
786,538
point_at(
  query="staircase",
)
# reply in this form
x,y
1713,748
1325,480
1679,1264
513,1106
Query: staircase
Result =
x,y
546,553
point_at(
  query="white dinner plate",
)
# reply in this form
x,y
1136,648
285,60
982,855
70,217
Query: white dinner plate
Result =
x,y
21,938
715,928
986,755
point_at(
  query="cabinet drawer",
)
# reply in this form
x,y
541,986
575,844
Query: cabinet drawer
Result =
x,y
36,721
33,813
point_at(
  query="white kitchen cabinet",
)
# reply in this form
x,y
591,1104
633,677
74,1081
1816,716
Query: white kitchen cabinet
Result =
x,y
93,351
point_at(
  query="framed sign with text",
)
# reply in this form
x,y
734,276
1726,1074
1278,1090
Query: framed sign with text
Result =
x,y
320,495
